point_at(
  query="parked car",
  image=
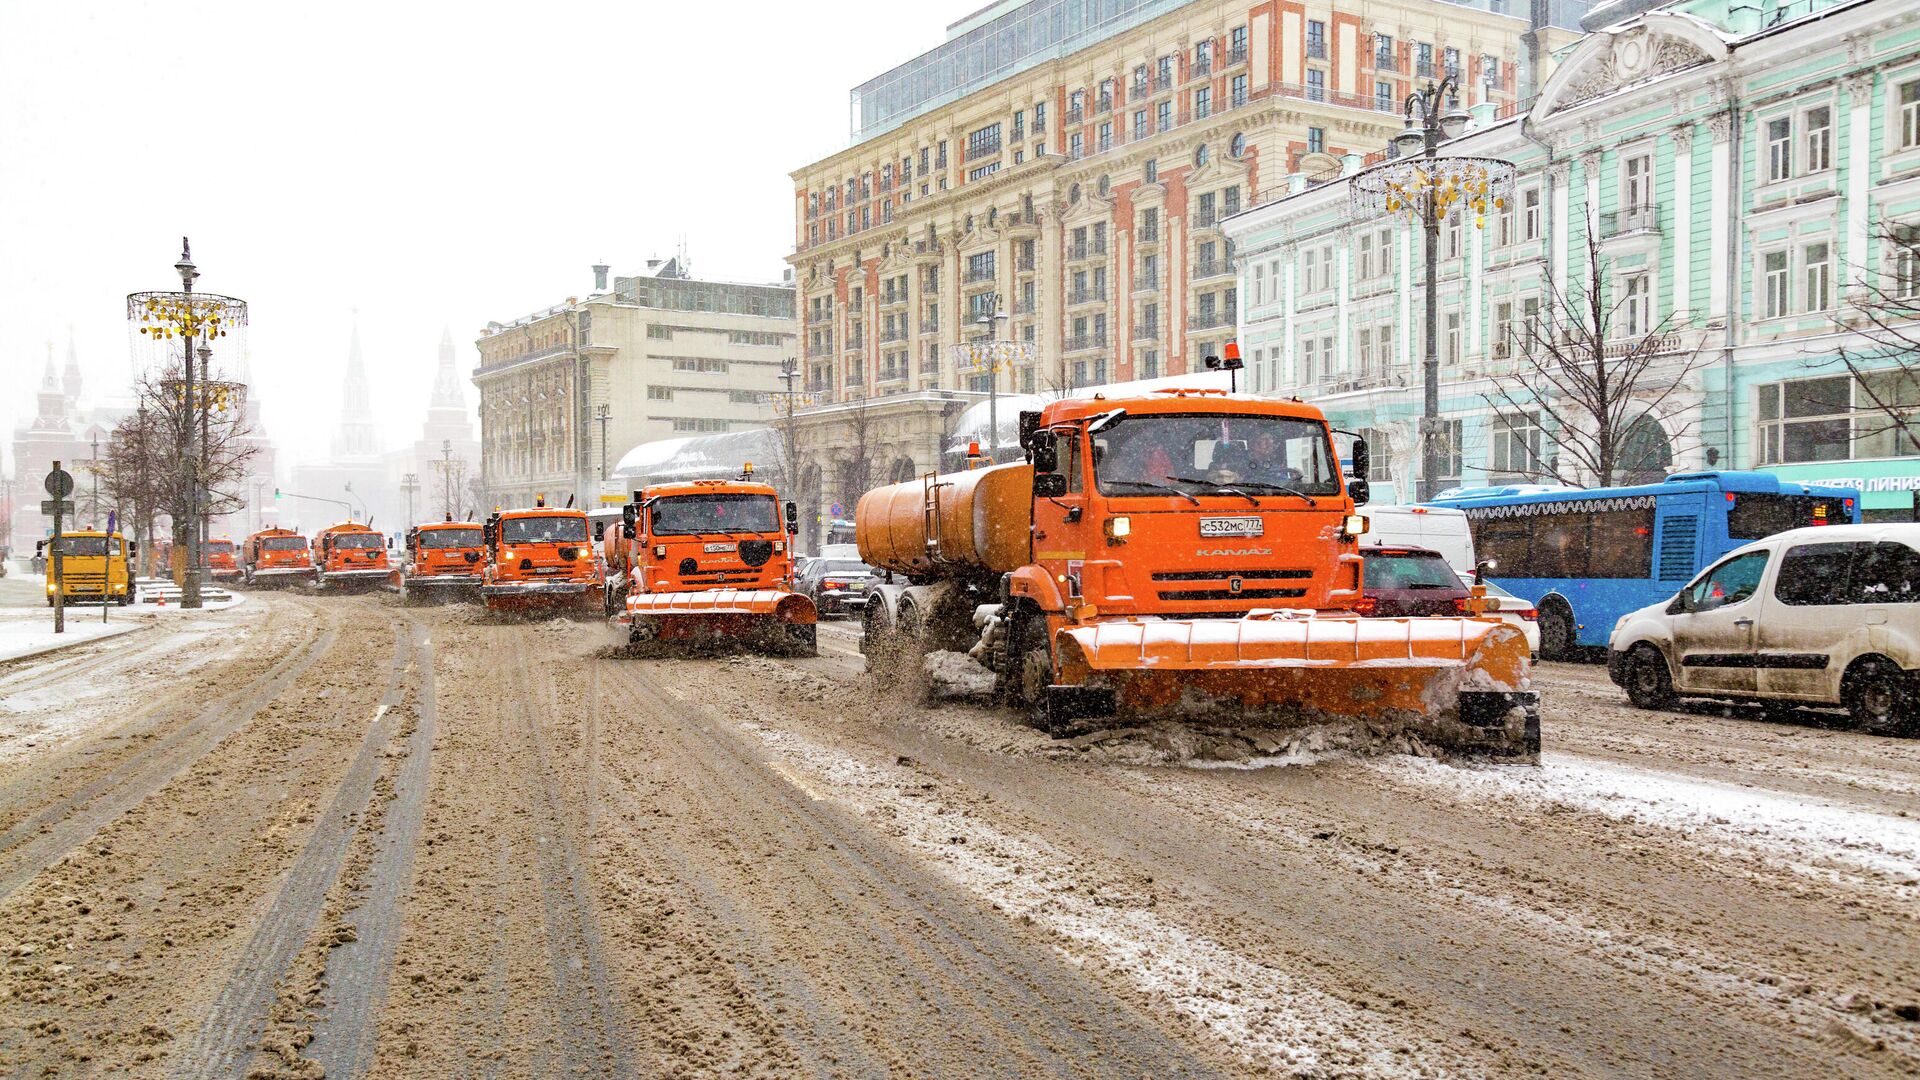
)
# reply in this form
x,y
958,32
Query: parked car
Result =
x,y
1515,610
1399,581
1828,615
836,586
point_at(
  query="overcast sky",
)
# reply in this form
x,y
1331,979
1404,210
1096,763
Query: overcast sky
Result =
x,y
428,164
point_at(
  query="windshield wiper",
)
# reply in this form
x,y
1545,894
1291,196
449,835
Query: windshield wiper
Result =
x,y
1217,486
1157,487
1278,489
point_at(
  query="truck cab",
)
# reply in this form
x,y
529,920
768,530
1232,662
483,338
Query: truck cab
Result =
x,y
350,555
539,557
94,565
274,555
221,560
444,557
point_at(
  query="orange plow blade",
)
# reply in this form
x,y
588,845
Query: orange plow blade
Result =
x,y
1462,683
720,615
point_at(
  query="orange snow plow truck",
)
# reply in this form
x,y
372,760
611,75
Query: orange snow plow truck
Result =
x,y
539,558
1187,554
350,556
271,556
443,560
708,559
220,560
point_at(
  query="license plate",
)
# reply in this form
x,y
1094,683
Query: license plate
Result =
x,y
713,548
856,586
1231,526
550,570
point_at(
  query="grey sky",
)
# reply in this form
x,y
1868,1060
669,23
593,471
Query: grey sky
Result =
x,y
429,164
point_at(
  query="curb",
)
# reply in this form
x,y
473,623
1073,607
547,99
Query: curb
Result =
x,y
118,631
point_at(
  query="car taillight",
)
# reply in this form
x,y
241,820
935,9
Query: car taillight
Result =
x,y
830,583
1366,605
1531,614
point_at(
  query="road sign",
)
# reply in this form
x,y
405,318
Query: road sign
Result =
x,y
51,507
836,510
60,484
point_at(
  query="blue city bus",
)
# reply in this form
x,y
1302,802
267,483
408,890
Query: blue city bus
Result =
x,y
1586,557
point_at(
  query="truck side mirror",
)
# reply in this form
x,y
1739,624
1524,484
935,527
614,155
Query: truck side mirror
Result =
x,y
1048,485
627,530
133,547
1029,424
1359,490
1046,453
793,519
487,533
628,515
1362,459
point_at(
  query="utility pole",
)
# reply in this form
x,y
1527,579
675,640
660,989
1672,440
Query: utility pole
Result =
x,y
789,371
190,457
991,319
93,466
409,483
603,414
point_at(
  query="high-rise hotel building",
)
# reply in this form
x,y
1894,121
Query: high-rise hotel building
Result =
x,y
1066,164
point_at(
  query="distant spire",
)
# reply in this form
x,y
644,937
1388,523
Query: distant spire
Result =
x,y
49,379
355,437
446,383
70,379
54,407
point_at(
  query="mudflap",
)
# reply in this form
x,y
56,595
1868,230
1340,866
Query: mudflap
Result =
x,y
1507,720
1064,707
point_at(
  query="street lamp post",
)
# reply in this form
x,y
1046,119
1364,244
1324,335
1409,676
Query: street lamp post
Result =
x,y
409,483
993,319
603,414
789,371
1420,184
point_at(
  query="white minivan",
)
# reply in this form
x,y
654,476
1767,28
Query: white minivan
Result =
x,y
1828,615
1437,528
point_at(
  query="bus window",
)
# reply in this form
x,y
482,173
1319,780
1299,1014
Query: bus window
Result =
x,y
1620,544
1755,517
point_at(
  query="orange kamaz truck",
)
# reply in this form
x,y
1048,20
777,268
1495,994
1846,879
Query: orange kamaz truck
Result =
x,y
221,560
350,556
443,561
708,560
540,558
276,556
1186,554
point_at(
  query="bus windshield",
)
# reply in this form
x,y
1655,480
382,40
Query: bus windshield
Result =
x,y
82,545
551,529
358,540
1202,453
283,543
449,538
682,515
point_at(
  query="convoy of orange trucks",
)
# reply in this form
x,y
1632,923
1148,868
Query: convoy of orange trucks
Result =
x,y
276,556
442,561
540,558
707,560
1190,554
350,555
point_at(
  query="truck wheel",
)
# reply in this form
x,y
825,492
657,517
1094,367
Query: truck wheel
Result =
x,y
1649,683
802,639
1556,632
1027,666
1877,696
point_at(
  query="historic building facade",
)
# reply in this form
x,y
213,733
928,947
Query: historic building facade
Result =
x,y
1736,171
1073,177
662,353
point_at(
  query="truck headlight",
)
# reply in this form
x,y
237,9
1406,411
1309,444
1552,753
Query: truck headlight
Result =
x,y
1355,525
1119,527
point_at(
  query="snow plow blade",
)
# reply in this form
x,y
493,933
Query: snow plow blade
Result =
x,y
538,596
718,615
1459,683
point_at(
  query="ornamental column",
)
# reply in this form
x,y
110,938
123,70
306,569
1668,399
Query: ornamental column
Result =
x,y
1683,223
1720,228
1859,180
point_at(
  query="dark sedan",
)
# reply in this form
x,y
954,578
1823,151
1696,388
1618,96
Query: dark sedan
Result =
x,y
1401,581
836,586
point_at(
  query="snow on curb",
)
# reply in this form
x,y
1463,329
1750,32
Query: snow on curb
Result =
x,y
1264,1014
1807,835
21,639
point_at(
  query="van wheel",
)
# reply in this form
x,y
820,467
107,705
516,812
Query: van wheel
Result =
x,y
1649,683
1878,697
1556,632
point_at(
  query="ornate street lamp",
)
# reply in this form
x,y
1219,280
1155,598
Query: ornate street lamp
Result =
x,y
1418,184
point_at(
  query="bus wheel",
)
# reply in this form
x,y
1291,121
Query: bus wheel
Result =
x,y
1556,632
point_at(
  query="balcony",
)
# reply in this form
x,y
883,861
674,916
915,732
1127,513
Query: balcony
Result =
x,y
1097,294
1023,306
820,348
1084,250
1147,332
1023,265
929,326
1211,268
1082,342
1236,54
926,249
977,274
1423,69
893,333
854,342
1076,115
1208,320
1139,89
1385,62
1146,282
893,298
1634,219
1205,219
1162,80
1147,234
1333,97
1316,49
1105,105
819,315
1202,68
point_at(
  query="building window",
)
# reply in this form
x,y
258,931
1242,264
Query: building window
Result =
x,y
1451,61
1639,306
1105,142
1503,330
1818,267
1779,149
1530,214
1316,85
1366,256
1039,118
1237,45
1452,437
1909,114
1453,339
659,332
1151,172
1202,57
1202,103
1105,101
1163,73
1832,419
1238,89
1200,156
1383,52
1774,275
1316,140
1076,146
1517,444
1819,139
983,142
1490,70
1163,116
1019,125
1423,60
1383,95
1309,260
1306,361
1141,125
660,393
1452,236
1637,177
1905,270
1316,39
1363,338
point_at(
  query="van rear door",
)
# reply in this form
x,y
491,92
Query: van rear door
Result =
x,y
1806,617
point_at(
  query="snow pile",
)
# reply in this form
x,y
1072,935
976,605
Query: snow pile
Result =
x,y
1198,746
955,674
31,635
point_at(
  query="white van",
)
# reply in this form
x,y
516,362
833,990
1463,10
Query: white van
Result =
x,y
1436,528
1828,615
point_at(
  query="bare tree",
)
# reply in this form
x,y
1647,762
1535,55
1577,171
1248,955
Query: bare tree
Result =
x,y
856,472
450,488
137,475
143,466
1592,366
1881,350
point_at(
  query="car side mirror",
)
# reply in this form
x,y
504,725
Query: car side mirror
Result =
x,y
1359,490
133,547
1049,485
487,533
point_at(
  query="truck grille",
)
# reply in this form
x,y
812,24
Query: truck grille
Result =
x,y
1228,594
1222,575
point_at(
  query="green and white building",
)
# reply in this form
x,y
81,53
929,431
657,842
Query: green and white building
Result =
x,y
1738,164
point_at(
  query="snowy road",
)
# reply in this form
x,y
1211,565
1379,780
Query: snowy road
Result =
x,y
385,841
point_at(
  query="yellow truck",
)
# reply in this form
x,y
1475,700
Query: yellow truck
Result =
x,y
94,566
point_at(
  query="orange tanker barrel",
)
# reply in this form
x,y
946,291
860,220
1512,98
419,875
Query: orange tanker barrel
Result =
x,y
984,522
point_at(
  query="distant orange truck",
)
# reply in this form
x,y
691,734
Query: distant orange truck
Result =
x,y
443,560
350,556
540,558
276,556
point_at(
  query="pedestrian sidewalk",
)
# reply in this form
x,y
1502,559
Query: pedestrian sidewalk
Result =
x,y
30,633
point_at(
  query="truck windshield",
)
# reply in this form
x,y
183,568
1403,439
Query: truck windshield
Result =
x,y
219,547
358,540
1198,454
82,545
552,529
685,514
284,543
449,538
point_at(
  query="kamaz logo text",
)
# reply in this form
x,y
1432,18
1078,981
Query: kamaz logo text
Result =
x,y
1234,551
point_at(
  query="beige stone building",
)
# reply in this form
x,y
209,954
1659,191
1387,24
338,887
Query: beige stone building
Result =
x,y
1068,165
567,390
